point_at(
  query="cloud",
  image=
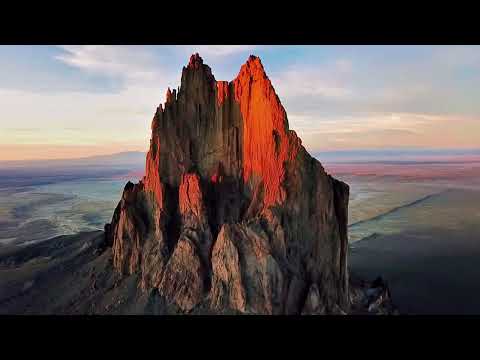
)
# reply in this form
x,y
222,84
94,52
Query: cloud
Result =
x,y
458,56
327,80
359,123
78,117
116,119
379,130
133,64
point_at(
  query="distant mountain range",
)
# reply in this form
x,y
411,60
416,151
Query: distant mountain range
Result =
x,y
135,160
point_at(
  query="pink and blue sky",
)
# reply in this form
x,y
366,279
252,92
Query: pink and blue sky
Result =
x,y
76,101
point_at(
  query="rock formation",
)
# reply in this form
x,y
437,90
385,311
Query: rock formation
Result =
x,y
233,212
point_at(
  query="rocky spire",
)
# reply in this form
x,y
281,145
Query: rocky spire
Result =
x,y
171,96
233,213
195,61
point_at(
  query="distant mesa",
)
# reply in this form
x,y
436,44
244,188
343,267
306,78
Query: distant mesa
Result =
x,y
233,214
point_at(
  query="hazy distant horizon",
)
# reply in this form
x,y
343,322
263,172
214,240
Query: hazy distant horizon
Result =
x,y
353,155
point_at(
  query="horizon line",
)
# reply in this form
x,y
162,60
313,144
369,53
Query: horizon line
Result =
x,y
315,153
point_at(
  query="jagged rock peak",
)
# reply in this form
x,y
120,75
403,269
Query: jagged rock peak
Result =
x,y
233,212
254,64
254,69
169,96
195,61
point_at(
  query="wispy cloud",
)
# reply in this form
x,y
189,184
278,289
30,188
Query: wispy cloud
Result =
x,y
378,130
458,56
327,80
133,63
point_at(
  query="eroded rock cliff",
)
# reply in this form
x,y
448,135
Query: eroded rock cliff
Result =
x,y
233,212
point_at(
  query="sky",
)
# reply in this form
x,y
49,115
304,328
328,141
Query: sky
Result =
x,y
76,101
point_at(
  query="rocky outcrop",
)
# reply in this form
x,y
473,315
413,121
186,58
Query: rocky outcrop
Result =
x,y
232,210
371,298
246,276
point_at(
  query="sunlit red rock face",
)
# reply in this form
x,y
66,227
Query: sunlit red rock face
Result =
x,y
233,212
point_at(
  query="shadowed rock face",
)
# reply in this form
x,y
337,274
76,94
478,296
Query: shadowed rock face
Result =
x,y
233,212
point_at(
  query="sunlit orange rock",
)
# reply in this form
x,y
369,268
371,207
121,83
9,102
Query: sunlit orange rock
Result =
x,y
190,196
267,143
233,213
222,92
